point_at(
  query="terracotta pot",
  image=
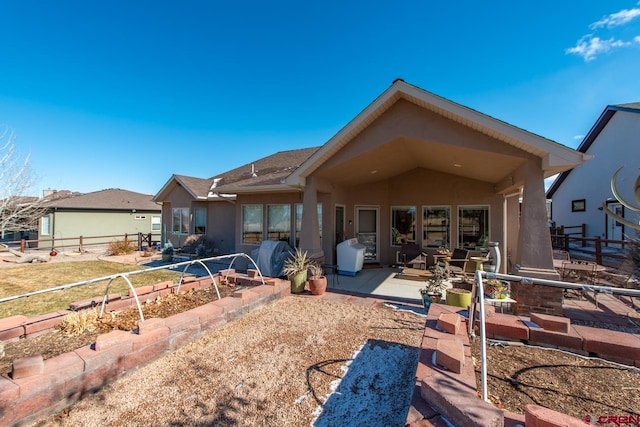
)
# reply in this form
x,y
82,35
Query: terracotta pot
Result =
x,y
318,285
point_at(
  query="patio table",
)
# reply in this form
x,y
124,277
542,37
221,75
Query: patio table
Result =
x,y
579,268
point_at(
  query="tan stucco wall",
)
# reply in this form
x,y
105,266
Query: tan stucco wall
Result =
x,y
415,188
221,220
221,224
421,188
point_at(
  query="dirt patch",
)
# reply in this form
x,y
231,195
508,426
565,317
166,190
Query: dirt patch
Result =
x,y
522,375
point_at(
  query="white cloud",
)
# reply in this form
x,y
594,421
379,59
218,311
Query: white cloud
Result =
x,y
590,46
578,137
617,19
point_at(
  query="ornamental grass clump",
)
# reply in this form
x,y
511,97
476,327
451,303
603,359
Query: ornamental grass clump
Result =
x,y
121,247
298,263
79,322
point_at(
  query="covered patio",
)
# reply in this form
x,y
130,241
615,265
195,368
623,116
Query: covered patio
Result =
x,y
411,154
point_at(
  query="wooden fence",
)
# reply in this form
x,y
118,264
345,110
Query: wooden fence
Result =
x,y
80,243
573,239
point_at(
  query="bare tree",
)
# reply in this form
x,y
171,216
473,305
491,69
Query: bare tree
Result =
x,y
18,212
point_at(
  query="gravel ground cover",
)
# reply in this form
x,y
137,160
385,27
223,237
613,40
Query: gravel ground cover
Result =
x,y
274,366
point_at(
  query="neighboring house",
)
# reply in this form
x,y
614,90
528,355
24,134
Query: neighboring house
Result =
x,y
578,195
411,167
111,212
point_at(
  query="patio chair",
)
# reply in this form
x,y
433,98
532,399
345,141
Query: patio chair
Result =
x,y
622,277
457,264
409,254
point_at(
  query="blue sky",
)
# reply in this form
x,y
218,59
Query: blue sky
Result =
x,y
123,94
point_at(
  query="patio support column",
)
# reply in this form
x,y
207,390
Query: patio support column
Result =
x,y
310,229
534,257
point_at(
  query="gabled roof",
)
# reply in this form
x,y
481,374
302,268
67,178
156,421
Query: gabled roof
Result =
x,y
555,157
109,199
592,135
285,170
196,187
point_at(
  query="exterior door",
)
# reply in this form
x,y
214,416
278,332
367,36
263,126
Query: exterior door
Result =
x,y
615,230
367,231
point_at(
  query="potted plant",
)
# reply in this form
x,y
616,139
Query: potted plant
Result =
x,y
167,253
437,282
317,280
459,297
296,268
496,289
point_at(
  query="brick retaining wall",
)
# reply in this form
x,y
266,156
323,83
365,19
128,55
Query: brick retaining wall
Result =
x,y
37,388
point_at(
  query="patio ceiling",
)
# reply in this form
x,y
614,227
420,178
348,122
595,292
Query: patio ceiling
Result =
x,y
404,154
401,154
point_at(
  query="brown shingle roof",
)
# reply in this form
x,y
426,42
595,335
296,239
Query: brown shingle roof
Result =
x,y
269,170
113,199
199,187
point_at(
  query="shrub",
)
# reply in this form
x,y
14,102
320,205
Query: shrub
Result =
x,y
79,321
121,247
202,251
194,241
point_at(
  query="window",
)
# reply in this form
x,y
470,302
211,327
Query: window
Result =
x,y
279,222
436,226
45,226
180,220
473,226
200,223
299,222
156,223
578,205
252,224
403,224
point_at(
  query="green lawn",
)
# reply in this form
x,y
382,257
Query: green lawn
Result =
x,y
33,277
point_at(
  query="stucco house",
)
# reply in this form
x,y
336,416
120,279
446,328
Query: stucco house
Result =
x,y
411,167
584,195
105,213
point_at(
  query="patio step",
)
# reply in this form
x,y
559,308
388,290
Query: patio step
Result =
x,y
551,323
